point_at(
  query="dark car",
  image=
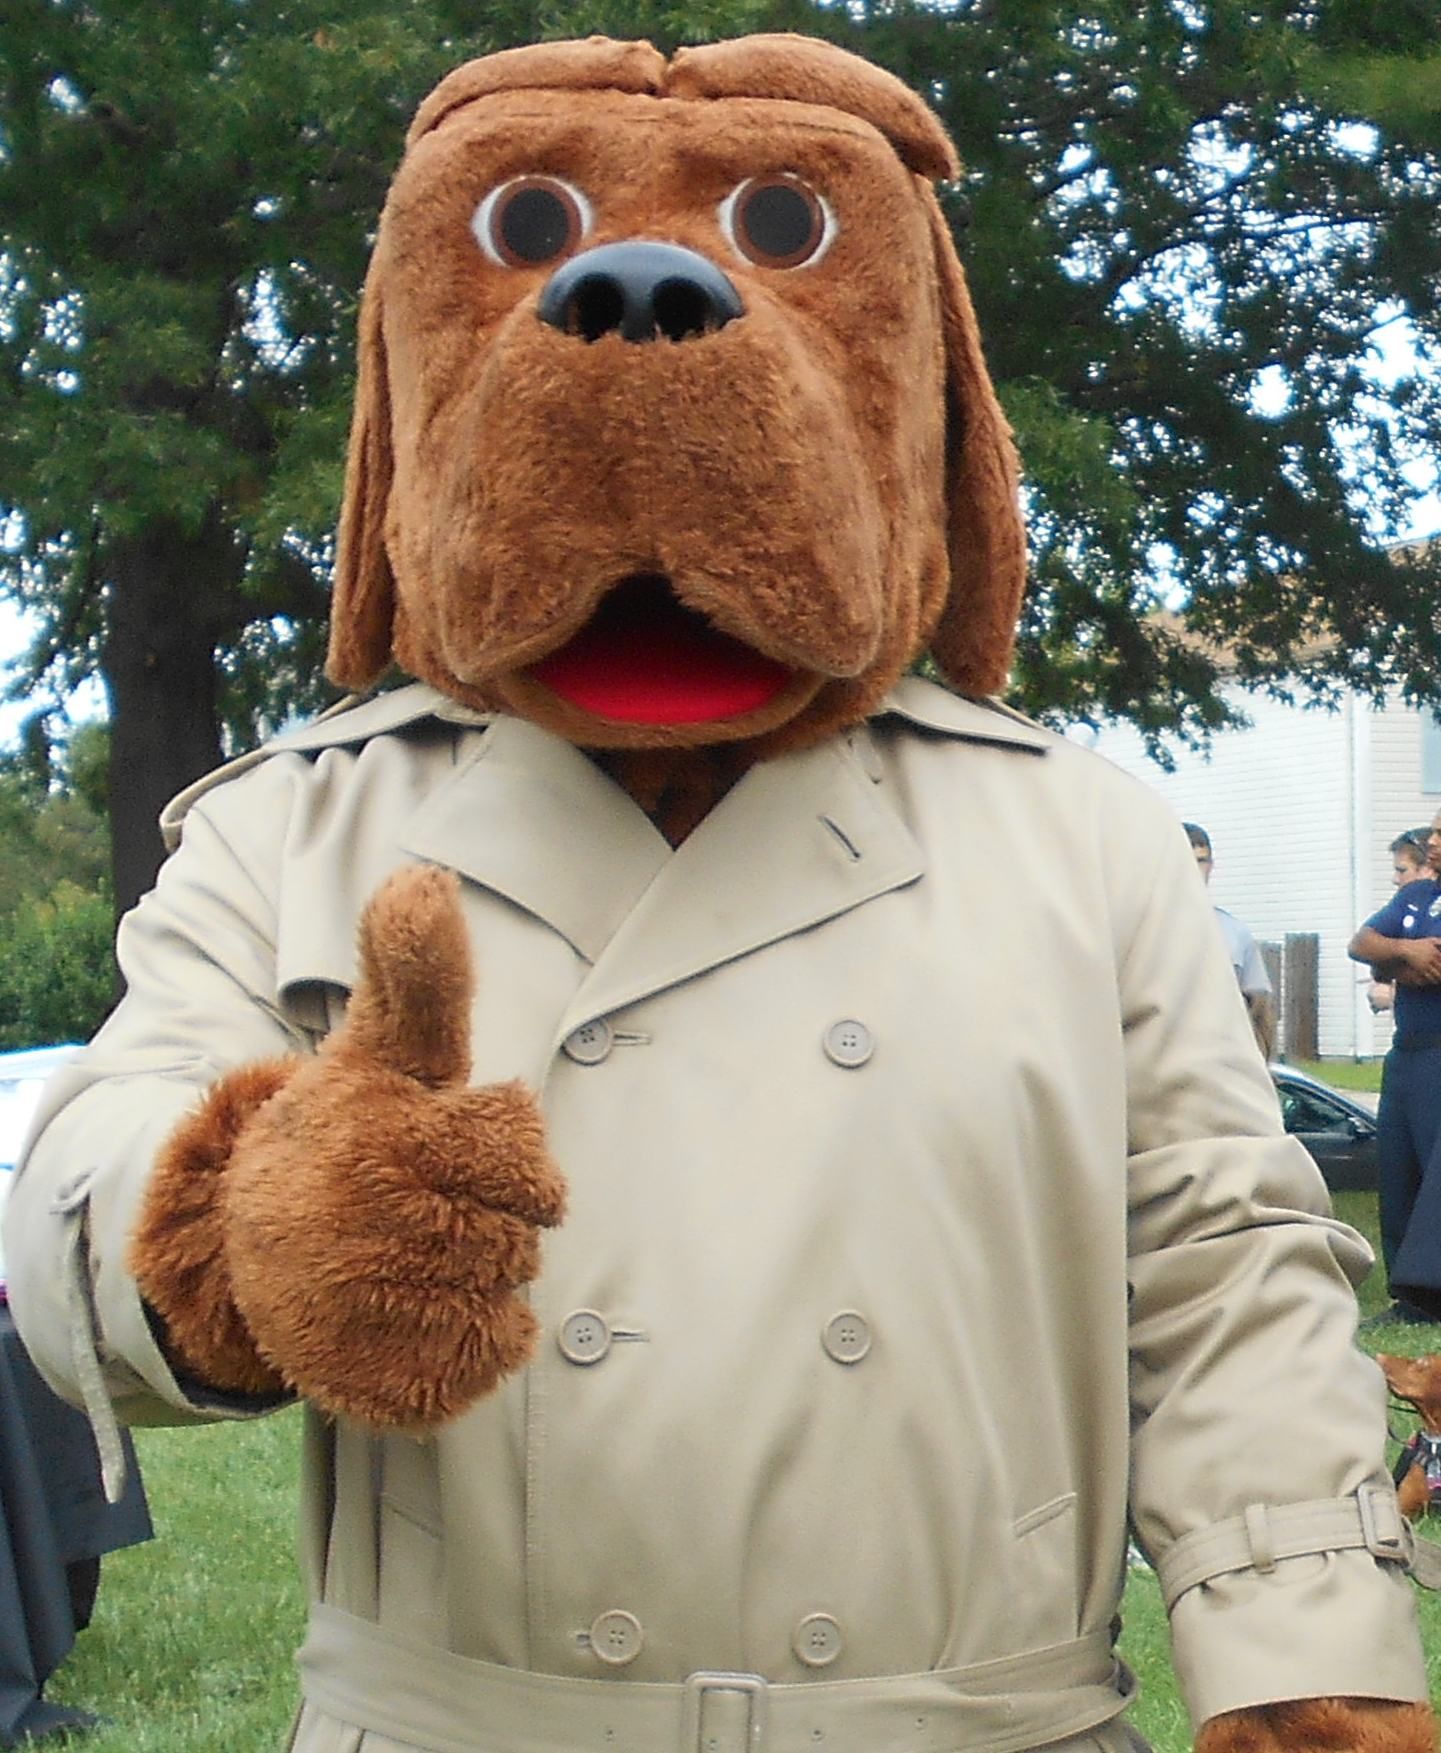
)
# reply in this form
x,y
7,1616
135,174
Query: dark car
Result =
x,y
1339,1132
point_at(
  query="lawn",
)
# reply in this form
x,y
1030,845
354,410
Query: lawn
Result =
x,y
1344,1074
191,1646
192,1643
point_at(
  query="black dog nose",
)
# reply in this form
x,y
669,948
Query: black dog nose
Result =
x,y
642,290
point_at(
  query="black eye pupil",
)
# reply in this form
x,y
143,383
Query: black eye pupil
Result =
x,y
535,224
778,221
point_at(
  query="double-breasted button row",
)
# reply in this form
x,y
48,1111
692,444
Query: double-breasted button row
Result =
x,y
617,1638
847,1043
585,1336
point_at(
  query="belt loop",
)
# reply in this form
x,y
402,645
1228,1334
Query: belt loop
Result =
x,y
1258,1537
697,1736
1388,1534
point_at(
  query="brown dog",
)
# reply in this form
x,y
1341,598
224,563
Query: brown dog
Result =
x,y
1417,1380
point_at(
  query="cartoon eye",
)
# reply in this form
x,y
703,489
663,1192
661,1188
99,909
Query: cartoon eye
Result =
x,y
531,221
777,221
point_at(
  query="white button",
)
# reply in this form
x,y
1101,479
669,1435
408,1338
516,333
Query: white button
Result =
x,y
616,1637
848,1044
584,1337
590,1043
847,1337
817,1640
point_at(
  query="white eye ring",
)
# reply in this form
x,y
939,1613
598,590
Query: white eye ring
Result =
x,y
727,215
482,221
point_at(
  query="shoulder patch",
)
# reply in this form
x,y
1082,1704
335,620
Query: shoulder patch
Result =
x,y
355,719
970,720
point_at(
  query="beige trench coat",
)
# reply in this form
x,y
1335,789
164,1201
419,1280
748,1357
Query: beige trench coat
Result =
x,y
929,1215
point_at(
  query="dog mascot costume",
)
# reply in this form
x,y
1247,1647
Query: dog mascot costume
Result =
x,y
751,1248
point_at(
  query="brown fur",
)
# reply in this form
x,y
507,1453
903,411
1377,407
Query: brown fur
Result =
x,y
381,1216
830,480
1417,1380
177,1252
355,1226
1322,1725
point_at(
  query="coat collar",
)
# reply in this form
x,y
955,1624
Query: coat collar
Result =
x,y
532,819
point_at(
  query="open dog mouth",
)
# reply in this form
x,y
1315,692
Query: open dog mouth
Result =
x,y
644,658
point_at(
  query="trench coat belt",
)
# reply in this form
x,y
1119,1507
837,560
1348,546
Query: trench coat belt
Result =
x,y
426,1698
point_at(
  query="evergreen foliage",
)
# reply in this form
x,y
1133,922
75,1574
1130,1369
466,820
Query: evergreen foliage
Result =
x,y
57,969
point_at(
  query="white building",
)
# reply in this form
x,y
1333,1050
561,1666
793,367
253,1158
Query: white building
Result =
x,y
1301,807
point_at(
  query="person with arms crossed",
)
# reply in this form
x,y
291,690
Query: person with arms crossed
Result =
x,y
1408,862
1402,944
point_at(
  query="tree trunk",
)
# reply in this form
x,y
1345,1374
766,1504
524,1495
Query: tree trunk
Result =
x,y
164,617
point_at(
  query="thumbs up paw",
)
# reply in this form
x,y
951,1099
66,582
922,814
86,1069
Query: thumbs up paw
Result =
x,y
380,1217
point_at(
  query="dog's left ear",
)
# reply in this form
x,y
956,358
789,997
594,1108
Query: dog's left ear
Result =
x,y
976,635
362,602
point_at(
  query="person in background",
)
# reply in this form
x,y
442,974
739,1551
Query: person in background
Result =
x,y
1408,863
1245,952
1402,944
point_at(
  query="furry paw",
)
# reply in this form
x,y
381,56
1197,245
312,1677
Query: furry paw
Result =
x,y
381,1216
177,1253
1322,1725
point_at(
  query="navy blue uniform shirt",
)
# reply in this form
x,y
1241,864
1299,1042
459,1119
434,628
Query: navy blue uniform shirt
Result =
x,y
1414,911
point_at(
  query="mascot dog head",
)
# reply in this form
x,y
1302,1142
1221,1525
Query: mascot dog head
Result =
x,y
672,425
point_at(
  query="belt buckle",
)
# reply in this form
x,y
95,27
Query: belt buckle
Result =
x,y
752,1687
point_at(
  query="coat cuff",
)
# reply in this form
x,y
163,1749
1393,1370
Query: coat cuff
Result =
x,y
1329,1624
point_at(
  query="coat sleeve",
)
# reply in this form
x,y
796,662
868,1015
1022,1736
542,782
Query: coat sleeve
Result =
x,y
1249,1393
198,960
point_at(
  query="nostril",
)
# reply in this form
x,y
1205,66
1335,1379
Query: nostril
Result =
x,y
682,308
595,308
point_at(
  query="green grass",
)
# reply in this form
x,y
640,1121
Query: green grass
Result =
x,y
1343,1074
192,1644
194,1633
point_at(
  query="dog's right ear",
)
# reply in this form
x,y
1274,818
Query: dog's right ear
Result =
x,y
362,602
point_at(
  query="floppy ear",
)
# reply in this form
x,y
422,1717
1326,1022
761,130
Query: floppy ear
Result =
x,y
362,601
973,641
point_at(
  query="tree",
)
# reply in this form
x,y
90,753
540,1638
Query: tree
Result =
x,y
185,193
1182,260
57,973
1180,236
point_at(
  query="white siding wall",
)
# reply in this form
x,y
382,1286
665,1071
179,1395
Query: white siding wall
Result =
x,y
1277,800
1301,806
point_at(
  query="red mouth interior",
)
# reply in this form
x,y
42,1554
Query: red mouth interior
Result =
x,y
644,658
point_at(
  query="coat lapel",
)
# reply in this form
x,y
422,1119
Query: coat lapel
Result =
x,y
797,841
531,818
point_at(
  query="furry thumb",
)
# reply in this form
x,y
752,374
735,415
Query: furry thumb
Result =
x,y
410,1011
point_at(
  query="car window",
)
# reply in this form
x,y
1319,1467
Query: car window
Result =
x,y
1309,1111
